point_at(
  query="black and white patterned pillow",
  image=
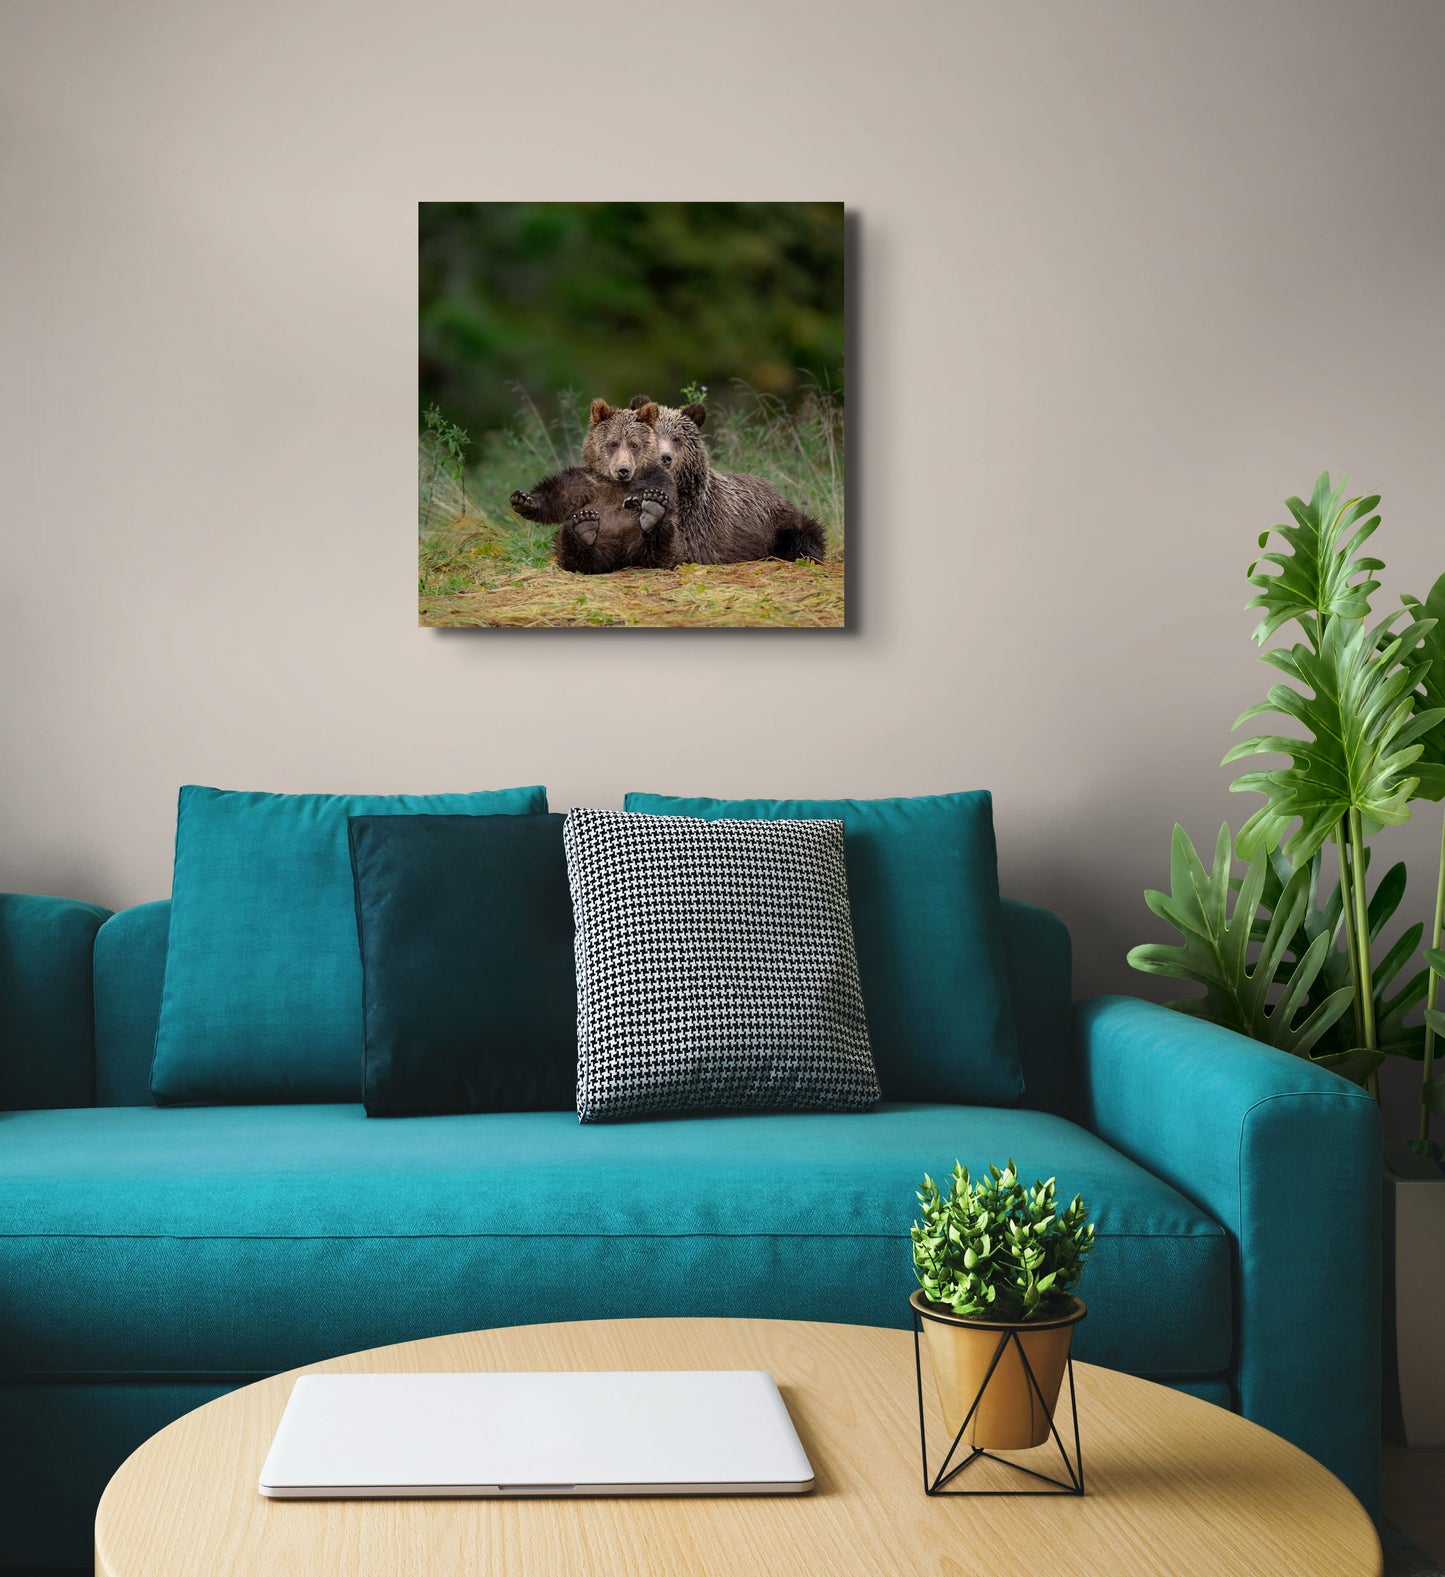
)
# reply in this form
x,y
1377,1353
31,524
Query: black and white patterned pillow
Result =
x,y
715,966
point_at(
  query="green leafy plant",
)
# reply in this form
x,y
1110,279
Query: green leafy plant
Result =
x,y
1395,1035
1431,770
1432,1085
1240,993
694,394
1327,915
1430,616
996,1250
1355,698
448,449
1350,775
1319,578
1370,703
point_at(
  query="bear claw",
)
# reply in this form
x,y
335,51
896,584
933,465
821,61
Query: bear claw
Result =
x,y
649,504
524,504
584,525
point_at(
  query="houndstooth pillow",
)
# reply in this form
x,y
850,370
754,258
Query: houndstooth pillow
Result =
x,y
715,966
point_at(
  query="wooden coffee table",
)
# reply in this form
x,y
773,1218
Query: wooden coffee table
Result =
x,y
1174,1484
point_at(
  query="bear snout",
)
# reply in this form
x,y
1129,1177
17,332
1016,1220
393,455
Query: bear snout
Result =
x,y
622,471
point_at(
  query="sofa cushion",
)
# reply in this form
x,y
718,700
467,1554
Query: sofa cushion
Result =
x,y
130,957
235,1240
130,975
715,967
469,989
262,996
923,886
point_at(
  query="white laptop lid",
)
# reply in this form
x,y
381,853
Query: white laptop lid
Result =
x,y
673,1432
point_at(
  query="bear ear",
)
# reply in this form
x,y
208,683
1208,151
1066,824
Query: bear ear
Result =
x,y
601,410
639,400
647,413
697,414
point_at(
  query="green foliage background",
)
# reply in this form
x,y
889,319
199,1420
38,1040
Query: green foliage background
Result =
x,y
620,298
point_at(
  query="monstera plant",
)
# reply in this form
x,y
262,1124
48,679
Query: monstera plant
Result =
x,y
1283,953
1432,777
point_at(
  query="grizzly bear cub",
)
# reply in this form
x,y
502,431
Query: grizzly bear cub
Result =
x,y
725,517
618,509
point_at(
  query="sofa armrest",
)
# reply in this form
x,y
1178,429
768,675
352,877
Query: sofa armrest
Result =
x,y
1286,1156
47,1007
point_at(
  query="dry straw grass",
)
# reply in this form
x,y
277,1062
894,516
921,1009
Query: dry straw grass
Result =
x,y
744,596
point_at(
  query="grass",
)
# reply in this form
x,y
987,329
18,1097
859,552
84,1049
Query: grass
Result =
x,y
480,565
718,596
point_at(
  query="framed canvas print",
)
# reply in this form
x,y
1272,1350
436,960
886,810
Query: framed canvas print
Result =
x,y
631,415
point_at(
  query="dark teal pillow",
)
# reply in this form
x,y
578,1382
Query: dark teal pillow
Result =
x,y
923,888
262,998
469,985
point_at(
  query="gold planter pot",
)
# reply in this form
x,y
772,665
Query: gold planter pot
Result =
x,y
1011,1414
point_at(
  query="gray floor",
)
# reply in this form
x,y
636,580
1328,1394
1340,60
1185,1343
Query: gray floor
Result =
x,y
1405,1558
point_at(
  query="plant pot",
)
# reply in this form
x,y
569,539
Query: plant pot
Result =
x,y
1010,1415
1414,1230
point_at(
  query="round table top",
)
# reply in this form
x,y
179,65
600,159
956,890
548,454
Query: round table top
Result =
x,y
1174,1485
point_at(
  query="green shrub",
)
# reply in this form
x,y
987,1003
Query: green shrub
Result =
x,y
997,1250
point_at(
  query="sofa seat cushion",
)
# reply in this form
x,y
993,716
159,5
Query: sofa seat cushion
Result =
x,y
239,1240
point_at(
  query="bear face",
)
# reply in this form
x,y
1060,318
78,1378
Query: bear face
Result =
x,y
677,430
620,443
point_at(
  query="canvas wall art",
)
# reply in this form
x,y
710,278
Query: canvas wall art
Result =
x,y
631,415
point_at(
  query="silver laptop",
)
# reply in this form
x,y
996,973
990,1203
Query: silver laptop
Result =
x,y
673,1432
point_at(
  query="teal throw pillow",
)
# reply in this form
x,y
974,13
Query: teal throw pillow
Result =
x,y
923,887
469,982
262,998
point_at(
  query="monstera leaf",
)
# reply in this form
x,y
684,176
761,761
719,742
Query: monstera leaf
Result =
x,y
1435,957
1430,768
1394,1036
1318,577
1214,952
1355,699
1356,1064
1324,915
1319,916
1432,1093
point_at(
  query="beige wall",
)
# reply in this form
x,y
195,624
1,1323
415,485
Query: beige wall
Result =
x,y
1127,274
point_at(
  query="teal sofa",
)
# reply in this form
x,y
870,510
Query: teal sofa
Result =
x,y
151,1259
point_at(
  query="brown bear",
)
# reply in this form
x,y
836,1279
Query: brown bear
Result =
x,y
617,509
723,517
597,540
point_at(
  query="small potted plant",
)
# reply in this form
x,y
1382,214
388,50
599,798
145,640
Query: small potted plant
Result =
x,y
994,1258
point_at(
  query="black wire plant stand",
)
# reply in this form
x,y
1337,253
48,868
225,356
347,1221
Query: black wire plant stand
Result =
x,y
948,1472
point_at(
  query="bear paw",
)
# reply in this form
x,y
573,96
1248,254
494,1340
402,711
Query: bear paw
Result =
x,y
649,504
525,505
584,526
